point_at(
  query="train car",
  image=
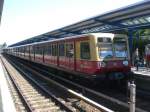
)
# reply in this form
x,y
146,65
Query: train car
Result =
x,y
147,54
94,56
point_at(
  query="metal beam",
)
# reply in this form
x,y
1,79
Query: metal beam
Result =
x,y
110,23
69,31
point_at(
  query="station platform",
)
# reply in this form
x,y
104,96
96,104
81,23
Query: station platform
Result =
x,y
6,101
141,71
142,77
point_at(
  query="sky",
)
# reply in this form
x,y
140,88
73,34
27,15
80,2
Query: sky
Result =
x,y
23,19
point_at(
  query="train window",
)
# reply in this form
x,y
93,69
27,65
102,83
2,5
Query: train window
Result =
x,y
104,39
117,39
105,47
120,47
54,50
49,50
23,49
32,49
46,50
37,50
20,50
41,50
28,49
85,50
69,50
61,50
105,50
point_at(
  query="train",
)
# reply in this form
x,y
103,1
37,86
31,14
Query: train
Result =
x,y
92,56
147,54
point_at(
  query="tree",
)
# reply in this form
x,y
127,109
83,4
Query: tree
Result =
x,y
4,45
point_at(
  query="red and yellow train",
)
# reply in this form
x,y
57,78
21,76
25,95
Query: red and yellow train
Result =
x,y
95,55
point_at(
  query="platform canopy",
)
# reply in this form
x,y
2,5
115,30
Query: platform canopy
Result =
x,y
136,16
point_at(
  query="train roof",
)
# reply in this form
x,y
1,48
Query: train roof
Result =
x,y
65,38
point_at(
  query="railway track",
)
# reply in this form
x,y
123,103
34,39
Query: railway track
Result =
x,y
110,102
15,95
33,98
29,92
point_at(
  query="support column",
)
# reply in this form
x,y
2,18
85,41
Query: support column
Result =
x,y
132,97
137,39
130,42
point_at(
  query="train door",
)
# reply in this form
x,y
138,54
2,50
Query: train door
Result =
x,y
70,62
85,56
48,53
25,52
39,53
29,52
28,48
32,52
54,54
61,59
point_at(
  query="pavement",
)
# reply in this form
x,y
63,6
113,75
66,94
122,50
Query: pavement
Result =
x,y
142,71
6,101
142,77
1,108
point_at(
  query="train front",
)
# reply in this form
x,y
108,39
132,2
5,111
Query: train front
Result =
x,y
114,57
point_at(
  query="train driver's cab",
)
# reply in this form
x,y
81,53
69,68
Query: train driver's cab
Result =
x,y
105,47
112,47
120,47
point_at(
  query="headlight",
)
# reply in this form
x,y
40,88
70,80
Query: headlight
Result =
x,y
102,64
125,63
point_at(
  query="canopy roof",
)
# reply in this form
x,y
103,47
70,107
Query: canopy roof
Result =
x,y
135,16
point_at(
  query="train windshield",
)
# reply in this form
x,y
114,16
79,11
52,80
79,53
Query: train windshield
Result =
x,y
120,47
105,47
